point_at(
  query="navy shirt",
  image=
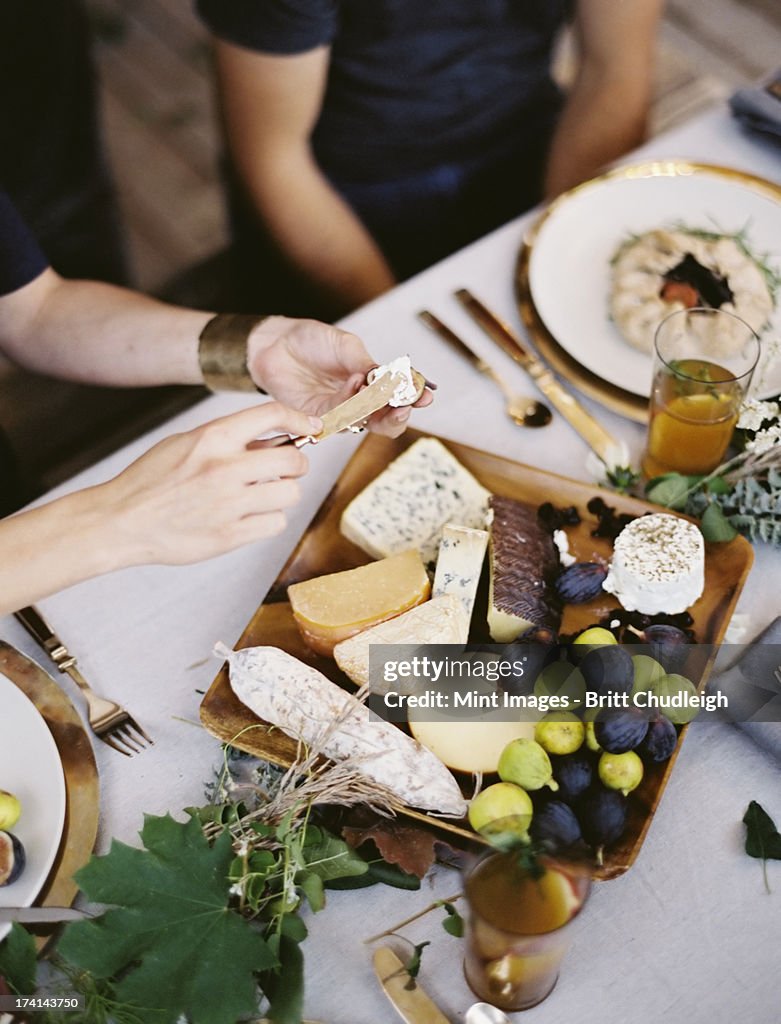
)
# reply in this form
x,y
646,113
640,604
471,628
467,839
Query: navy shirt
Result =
x,y
412,84
21,259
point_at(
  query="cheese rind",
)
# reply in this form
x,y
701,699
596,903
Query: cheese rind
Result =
x,y
305,705
442,620
658,565
331,608
523,562
459,565
407,505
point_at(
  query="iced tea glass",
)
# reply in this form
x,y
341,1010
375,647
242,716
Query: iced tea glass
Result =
x,y
703,363
519,926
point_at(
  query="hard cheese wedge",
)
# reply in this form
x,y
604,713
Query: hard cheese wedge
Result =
x,y
331,608
523,562
442,620
412,499
460,562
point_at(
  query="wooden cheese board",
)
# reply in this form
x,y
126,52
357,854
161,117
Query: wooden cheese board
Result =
x,y
323,549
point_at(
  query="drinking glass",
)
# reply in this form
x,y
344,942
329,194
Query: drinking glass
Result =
x,y
519,926
703,362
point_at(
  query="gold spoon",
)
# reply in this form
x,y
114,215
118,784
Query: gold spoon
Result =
x,y
526,412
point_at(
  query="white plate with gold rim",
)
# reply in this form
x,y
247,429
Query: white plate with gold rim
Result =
x,y
31,769
574,241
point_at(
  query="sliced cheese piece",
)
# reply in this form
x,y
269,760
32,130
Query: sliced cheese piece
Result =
x,y
407,505
442,620
459,564
523,561
305,705
331,608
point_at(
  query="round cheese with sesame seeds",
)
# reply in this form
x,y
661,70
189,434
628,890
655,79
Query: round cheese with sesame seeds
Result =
x,y
658,565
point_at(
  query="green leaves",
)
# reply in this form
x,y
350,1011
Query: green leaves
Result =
x,y
715,526
763,840
671,489
17,960
453,923
179,948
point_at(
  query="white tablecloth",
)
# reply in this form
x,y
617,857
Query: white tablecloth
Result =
x,y
688,934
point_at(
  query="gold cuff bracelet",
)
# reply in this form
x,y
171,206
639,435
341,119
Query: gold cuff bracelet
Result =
x,y
222,352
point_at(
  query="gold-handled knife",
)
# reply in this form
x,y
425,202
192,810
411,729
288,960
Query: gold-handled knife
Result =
x,y
408,998
600,440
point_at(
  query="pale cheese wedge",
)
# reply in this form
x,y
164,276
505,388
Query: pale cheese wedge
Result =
x,y
459,565
442,620
407,505
330,608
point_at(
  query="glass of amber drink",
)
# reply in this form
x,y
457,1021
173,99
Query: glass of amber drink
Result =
x,y
703,362
518,928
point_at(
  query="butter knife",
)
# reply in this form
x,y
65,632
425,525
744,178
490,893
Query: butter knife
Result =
x,y
408,998
600,440
353,412
40,915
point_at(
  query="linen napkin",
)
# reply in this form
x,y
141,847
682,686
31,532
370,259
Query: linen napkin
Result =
x,y
753,689
759,107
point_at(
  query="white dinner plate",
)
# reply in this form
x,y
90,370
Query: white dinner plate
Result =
x,y
30,768
570,261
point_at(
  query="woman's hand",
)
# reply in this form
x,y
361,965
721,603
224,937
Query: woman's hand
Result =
x,y
314,366
207,491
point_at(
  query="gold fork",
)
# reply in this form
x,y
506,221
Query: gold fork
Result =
x,y
108,720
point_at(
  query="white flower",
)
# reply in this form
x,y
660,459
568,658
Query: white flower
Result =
x,y
242,848
617,458
754,413
237,889
764,440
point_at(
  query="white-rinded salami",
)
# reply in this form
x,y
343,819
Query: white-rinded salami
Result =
x,y
301,702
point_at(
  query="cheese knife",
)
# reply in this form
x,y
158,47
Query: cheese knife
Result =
x,y
408,998
600,440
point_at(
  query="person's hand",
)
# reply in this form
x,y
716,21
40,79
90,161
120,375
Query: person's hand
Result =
x,y
314,366
201,493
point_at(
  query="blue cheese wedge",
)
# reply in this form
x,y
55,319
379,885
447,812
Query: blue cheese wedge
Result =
x,y
459,565
442,620
658,565
306,706
407,505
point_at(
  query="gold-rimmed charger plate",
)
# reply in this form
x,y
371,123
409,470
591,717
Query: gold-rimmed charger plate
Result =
x,y
82,789
568,318
322,549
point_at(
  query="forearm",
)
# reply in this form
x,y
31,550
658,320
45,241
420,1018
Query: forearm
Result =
x,y
99,334
317,231
602,120
52,547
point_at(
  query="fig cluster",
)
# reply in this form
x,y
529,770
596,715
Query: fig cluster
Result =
x,y
571,787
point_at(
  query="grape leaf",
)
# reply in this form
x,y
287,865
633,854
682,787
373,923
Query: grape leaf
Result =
x,y
173,944
763,840
18,960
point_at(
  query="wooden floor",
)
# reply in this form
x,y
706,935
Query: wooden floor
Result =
x,y
162,136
